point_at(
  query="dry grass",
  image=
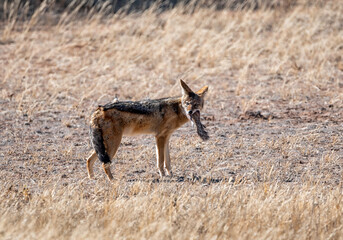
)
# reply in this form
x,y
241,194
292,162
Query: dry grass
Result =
x,y
271,170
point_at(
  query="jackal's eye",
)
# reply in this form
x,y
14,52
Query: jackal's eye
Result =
x,y
196,106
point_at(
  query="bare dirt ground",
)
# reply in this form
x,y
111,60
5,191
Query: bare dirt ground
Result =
x,y
271,169
54,144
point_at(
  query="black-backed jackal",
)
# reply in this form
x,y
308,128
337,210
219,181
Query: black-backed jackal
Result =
x,y
160,117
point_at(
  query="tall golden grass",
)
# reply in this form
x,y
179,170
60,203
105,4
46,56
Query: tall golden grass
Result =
x,y
274,177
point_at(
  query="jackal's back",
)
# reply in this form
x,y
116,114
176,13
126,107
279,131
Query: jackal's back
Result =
x,y
145,107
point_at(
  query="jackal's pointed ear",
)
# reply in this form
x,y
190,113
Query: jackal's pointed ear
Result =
x,y
185,89
202,92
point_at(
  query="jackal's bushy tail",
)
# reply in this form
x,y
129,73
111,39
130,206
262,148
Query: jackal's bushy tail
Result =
x,y
98,144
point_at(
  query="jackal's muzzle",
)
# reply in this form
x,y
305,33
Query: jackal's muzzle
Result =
x,y
195,118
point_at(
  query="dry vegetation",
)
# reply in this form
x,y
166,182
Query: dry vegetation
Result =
x,y
272,169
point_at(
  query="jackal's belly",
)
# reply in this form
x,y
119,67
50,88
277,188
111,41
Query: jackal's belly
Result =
x,y
134,130
139,126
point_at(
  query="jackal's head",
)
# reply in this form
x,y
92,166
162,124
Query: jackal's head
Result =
x,y
192,104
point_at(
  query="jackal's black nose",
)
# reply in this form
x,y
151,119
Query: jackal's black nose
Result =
x,y
189,112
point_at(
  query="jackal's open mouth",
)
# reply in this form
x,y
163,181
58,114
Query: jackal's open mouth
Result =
x,y
195,118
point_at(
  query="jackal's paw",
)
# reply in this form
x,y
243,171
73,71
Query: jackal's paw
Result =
x,y
162,174
169,173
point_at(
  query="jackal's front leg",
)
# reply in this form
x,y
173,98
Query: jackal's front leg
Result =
x,y
160,145
167,158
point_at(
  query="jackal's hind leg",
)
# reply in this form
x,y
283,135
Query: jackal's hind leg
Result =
x,y
112,147
107,169
160,144
167,158
90,163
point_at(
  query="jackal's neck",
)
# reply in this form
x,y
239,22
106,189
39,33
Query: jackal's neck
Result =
x,y
181,111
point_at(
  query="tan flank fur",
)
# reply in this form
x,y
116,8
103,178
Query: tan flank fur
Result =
x,y
160,117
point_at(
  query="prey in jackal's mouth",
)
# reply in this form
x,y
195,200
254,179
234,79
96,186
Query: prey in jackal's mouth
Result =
x,y
195,118
160,117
